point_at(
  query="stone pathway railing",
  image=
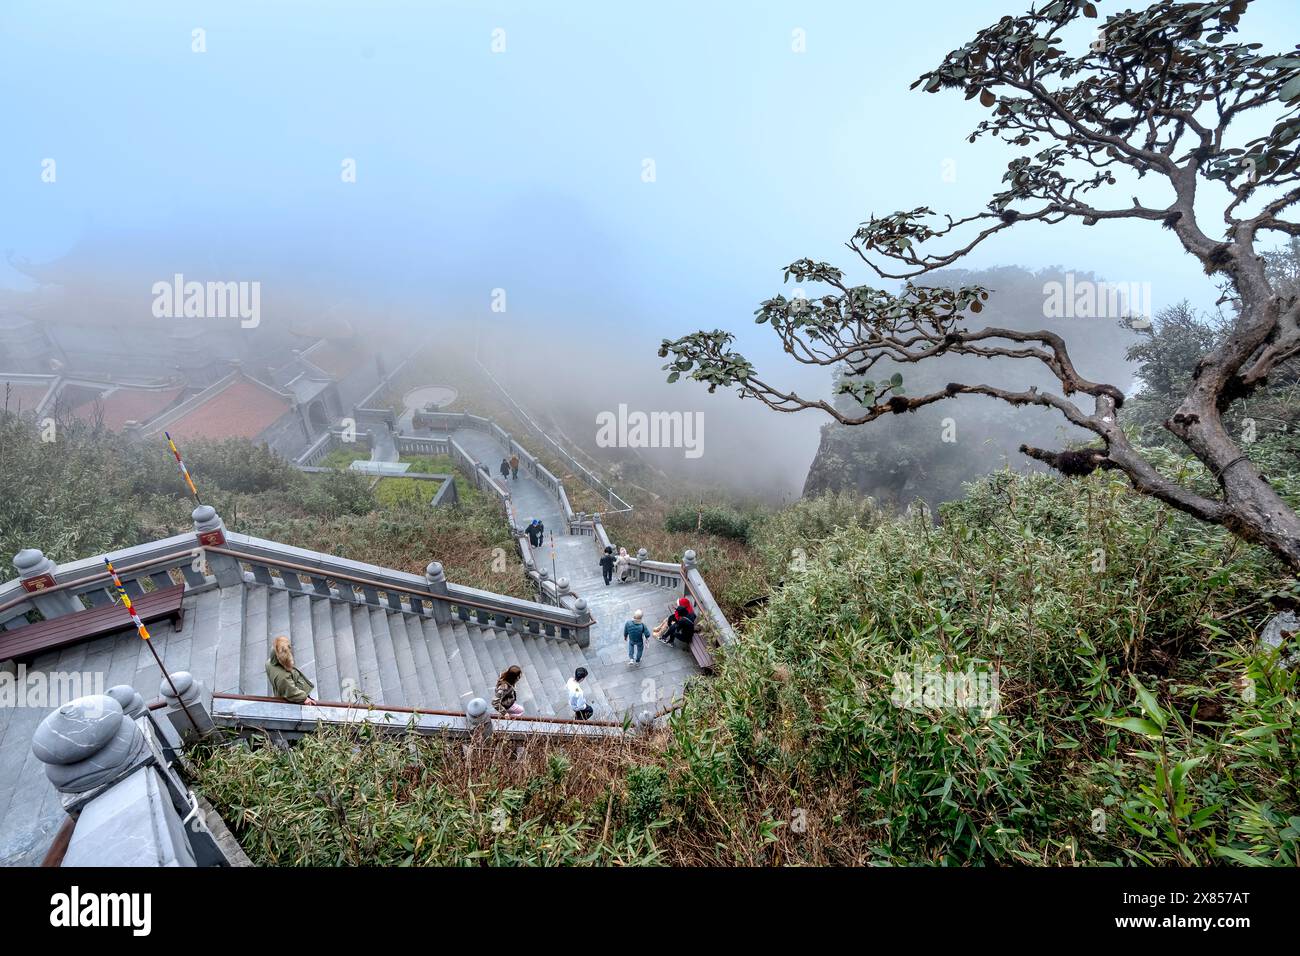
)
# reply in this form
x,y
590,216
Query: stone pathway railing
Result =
x,y
54,590
616,504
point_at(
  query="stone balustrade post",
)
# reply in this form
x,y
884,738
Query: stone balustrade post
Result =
x,y
643,723
37,574
88,743
582,629
478,719
186,713
210,531
436,579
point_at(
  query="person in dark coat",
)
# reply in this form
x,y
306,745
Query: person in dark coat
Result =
x,y
607,561
680,628
505,469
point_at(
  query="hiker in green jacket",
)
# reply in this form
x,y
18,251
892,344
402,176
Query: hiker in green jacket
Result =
x,y
285,679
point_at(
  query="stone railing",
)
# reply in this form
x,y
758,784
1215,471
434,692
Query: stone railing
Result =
x,y
705,605
326,443
415,445
112,761
54,590
274,564
290,721
231,558
616,504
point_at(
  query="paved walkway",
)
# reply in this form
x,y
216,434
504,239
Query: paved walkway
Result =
x,y
663,671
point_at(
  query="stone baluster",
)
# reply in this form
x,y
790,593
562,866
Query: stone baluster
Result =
x,y
37,574
436,579
210,531
582,630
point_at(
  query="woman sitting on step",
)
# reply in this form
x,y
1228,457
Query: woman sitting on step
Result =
x,y
504,698
285,679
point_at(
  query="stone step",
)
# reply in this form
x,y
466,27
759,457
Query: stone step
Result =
x,y
431,640
345,650
368,687
230,641
206,615
549,676
537,674
441,638
389,678
252,668
429,696
328,687
407,670
527,691
473,666
303,638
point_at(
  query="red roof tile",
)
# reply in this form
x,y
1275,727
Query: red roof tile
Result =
x,y
240,410
22,395
124,405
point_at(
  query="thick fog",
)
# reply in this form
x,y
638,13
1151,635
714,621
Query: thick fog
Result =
x,y
612,174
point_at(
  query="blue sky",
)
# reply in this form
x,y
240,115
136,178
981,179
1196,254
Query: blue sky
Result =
x,y
521,169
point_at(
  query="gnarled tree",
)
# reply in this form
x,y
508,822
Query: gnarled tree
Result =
x,y
1152,104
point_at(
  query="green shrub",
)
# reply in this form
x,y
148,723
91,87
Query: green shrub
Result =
x,y
710,519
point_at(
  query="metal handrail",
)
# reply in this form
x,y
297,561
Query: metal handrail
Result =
x,y
355,705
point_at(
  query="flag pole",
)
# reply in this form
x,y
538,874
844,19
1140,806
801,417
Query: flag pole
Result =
x,y
144,636
184,472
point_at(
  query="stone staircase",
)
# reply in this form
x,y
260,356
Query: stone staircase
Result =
x,y
380,656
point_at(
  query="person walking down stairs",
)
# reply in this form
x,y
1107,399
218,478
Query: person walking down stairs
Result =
x,y
285,679
577,697
504,700
514,467
607,561
624,565
635,633
505,470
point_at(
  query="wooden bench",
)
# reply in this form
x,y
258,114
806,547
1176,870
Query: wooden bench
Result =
x,y
24,643
700,651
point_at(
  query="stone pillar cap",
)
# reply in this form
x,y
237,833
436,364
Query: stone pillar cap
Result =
x,y
581,604
434,570
477,707
131,702
204,514
183,680
688,557
77,730
31,561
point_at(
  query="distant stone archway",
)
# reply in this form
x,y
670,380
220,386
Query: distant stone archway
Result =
x,y
317,416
